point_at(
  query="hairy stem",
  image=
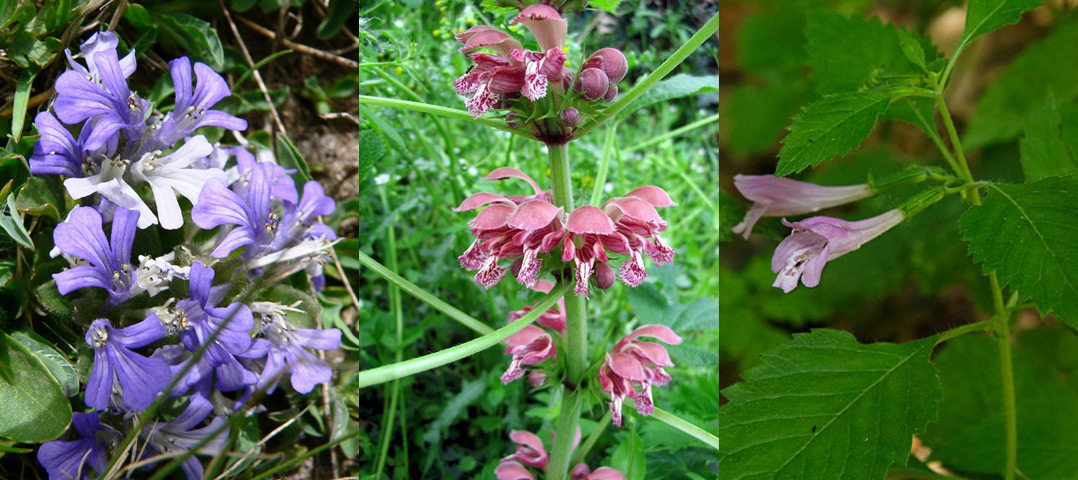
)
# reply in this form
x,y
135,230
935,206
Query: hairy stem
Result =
x,y
576,331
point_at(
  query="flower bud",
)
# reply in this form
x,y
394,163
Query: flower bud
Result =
x,y
537,378
611,61
604,275
570,117
611,93
593,82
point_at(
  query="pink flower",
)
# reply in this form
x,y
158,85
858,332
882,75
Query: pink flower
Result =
x,y
633,363
628,226
530,453
515,71
553,318
529,346
816,240
776,197
508,228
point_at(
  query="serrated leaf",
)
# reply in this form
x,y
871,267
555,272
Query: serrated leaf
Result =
x,y
983,16
1043,153
371,149
1025,233
829,128
34,409
1049,64
827,407
628,457
847,52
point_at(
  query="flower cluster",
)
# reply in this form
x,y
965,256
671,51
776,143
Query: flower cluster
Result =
x,y
206,334
515,78
633,362
813,241
530,453
533,345
528,228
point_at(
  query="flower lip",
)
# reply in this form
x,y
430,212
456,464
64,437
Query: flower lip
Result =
x,y
533,215
492,217
482,36
655,196
503,173
590,220
545,23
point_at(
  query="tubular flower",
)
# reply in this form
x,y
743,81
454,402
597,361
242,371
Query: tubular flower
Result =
x,y
287,353
59,153
193,109
776,197
514,71
635,363
180,435
628,226
817,240
529,346
530,453
76,459
139,378
100,92
107,263
509,228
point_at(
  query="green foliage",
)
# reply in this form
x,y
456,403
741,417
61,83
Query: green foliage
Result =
x,y
1009,100
1023,233
830,127
968,437
35,407
804,411
1044,153
984,16
848,52
194,35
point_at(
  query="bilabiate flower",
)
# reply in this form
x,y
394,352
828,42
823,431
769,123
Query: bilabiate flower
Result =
x,y
59,153
139,378
777,196
287,352
181,434
109,263
194,109
78,459
530,453
635,363
529,346
817,240
102,95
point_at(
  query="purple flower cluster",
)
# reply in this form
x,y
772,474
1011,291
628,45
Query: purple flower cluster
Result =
x,y
201,338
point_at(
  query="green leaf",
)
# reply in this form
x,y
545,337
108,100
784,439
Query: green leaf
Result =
x,y
754,116
371,149
1044,153
22,97
829,128
195,35
41,195
1008,101
289,157
772,44
340,11
34,409
983,16
826,407
58,364
11,222
628,458
845,53
1025,233
605,5
677,86
470,392
969,436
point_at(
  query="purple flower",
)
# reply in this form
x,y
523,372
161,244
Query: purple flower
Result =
x,y
194,109
81,236
97,43
180,435
196,318
139,378
230,375
776,197
816,240
105,96
287,353
73,459
59,153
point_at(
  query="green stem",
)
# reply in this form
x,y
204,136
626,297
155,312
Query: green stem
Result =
x,y
962,330
604,164
398,315
672,133
1001,325
412,289
686,427
564,432
1001,320
387,373
582,453
661,72
576,331
441,111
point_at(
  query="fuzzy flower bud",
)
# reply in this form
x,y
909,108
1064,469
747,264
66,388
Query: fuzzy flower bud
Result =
x,y
593,82
611,61
570,117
